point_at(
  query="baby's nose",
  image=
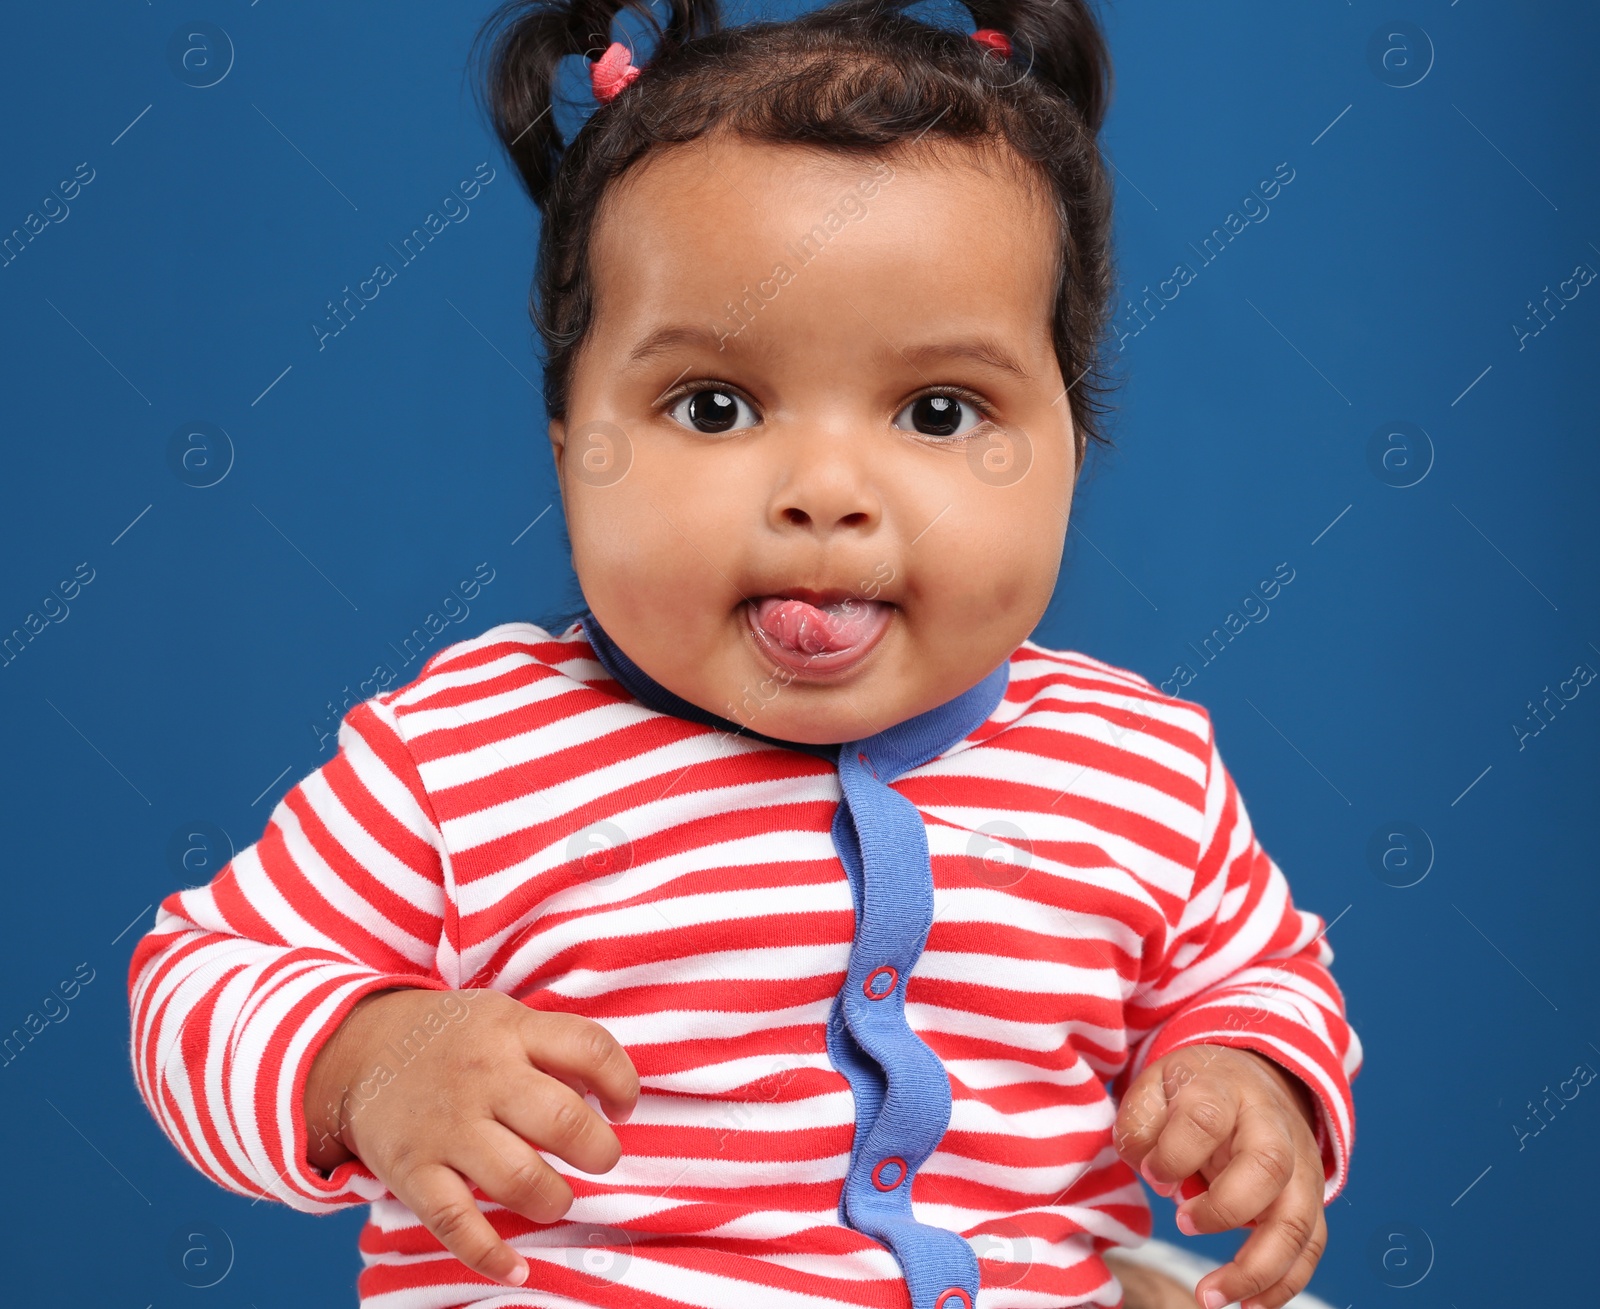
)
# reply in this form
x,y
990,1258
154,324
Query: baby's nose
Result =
x,y
823,492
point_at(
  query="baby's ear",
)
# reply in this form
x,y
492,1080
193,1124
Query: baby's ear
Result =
x,y
558,444
558,450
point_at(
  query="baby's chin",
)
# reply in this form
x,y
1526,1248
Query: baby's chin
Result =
x,y
771,696
820,715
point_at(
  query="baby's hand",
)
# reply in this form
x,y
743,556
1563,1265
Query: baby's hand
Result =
x,y
1246,1125
468,1106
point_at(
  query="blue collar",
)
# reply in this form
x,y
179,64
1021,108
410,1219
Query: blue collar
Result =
x,y
901,1090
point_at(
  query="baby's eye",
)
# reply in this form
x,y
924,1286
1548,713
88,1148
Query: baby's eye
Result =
x,y
939,415
713,412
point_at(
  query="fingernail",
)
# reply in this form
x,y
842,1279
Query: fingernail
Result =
x,y
1186,1224
1213,1299
1161,1188
521,1275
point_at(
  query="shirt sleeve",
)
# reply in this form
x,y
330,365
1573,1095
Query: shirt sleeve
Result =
x,y
239,983
1243,967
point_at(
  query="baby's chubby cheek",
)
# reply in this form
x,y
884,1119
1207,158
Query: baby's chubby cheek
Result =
x,y
660,557
642,565
978,590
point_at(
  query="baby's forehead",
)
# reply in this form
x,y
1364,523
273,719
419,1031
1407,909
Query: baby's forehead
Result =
x,y
772,245
966,209
790,168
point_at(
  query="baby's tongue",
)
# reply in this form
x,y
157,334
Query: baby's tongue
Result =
x,y
816,629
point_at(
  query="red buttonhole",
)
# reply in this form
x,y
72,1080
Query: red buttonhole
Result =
x,y
877,1173
894,980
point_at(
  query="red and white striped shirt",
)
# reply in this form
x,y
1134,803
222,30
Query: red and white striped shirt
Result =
x,y
514,819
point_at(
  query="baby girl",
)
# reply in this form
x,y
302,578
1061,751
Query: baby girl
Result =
x,y
790,930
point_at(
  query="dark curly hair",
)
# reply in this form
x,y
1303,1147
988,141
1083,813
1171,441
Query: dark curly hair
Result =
x,y
858,77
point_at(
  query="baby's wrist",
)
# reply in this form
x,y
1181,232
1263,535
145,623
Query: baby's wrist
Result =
x,y
341,1061
1299,1092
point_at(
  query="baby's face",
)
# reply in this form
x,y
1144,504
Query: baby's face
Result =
x,y
818,457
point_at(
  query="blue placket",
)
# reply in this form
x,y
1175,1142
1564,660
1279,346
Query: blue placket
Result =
x,y
900,1088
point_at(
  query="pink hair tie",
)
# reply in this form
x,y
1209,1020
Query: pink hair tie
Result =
x,y
611,72
996,41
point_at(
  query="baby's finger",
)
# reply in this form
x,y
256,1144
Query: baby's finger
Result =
x,y
1292,1227
1141,1116
443,1204
510,1172
1201,1118
579,1051
1297,1278
1261,1165
552,1116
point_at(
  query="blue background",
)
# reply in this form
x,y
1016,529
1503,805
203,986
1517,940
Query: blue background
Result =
x,y
190,680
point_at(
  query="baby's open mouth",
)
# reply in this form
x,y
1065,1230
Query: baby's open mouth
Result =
x,y
811,633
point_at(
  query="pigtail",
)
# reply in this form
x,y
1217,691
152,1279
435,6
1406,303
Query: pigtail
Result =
x,y
519,50
1059,43
1055,43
